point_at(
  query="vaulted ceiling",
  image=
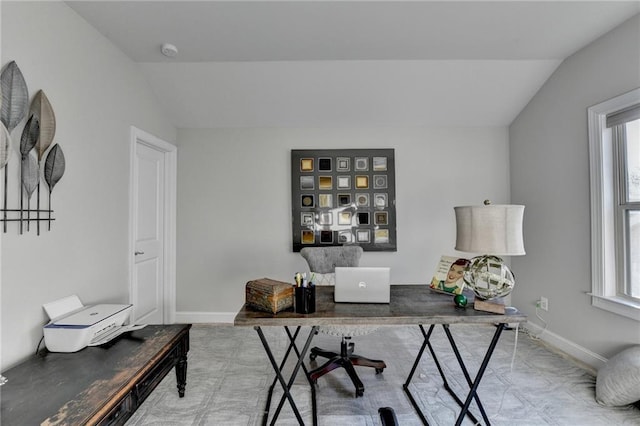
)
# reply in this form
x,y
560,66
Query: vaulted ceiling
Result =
x,y
350,63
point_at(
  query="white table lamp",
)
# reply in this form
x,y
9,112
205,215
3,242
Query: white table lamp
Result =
x,y
494,230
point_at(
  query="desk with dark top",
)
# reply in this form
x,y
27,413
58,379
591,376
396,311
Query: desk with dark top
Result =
x,y
97,385
410,305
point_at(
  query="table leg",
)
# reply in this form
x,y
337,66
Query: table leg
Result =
x,y
275,379
314,406
278,370
181,364
473,384
181,375
292,345
425,342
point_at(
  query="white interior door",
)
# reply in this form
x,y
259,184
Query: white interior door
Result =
x,y
153,229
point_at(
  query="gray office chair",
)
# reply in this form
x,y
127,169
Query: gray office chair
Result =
x,y
322,262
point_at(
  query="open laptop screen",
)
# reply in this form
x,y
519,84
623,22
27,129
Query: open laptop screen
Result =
x,y
362,285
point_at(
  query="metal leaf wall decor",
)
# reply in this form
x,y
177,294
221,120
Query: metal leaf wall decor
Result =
x,y
29,176
15,102
41,109
53,169
5,154
29,137
54,166
5,145
15,96
47,162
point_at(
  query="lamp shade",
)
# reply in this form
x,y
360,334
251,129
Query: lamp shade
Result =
x,y
490,229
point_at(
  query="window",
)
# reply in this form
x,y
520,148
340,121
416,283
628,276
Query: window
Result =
x,y
626,142
614,145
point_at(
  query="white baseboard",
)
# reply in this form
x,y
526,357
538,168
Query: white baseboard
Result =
x,y
205,317
579,353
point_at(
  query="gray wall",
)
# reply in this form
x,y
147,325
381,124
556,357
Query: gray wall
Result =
x,y
234,206
97,93
550,174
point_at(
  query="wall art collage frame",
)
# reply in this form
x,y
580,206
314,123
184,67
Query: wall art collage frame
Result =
x,y
343,196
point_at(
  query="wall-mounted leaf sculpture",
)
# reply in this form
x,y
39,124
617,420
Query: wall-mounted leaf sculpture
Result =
x,y
53,171
15,96
30,176
5,154
28,141
5,145
41,109
54,166
30,135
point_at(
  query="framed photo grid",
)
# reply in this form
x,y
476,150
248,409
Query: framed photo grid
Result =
x,y
343,196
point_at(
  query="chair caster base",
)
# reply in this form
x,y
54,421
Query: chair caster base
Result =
x,y
345,359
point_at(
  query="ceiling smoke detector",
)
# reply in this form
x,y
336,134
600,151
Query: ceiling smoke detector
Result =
x,y
169,50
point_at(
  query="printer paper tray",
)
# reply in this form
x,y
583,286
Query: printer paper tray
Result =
x,y
112,333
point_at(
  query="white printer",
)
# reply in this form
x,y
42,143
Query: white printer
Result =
x,y
74,326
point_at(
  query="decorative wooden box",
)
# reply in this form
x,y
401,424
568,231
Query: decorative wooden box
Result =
x,y
269,295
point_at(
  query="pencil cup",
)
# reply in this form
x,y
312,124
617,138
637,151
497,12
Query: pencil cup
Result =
x,y
306,300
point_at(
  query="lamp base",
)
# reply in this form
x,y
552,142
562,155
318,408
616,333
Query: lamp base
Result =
x,y
488,306
489,277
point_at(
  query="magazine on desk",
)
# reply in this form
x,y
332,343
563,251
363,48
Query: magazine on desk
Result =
x,y
449,275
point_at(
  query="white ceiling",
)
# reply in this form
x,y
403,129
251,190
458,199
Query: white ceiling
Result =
x,y
350,63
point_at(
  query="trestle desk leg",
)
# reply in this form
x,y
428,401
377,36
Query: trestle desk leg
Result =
x,y
312,386
474,386
280,378
292,344
425,342
463,367
278,370
265,416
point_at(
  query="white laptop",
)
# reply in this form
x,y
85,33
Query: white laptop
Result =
x,y
362,285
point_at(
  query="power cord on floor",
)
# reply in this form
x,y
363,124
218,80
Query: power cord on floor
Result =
x,y
497,413
513,357
506,388
515,346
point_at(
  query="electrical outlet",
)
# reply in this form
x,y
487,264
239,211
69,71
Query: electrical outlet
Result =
x,y
544,303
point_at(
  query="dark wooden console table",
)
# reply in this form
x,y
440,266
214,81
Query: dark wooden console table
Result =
x,y
97,385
